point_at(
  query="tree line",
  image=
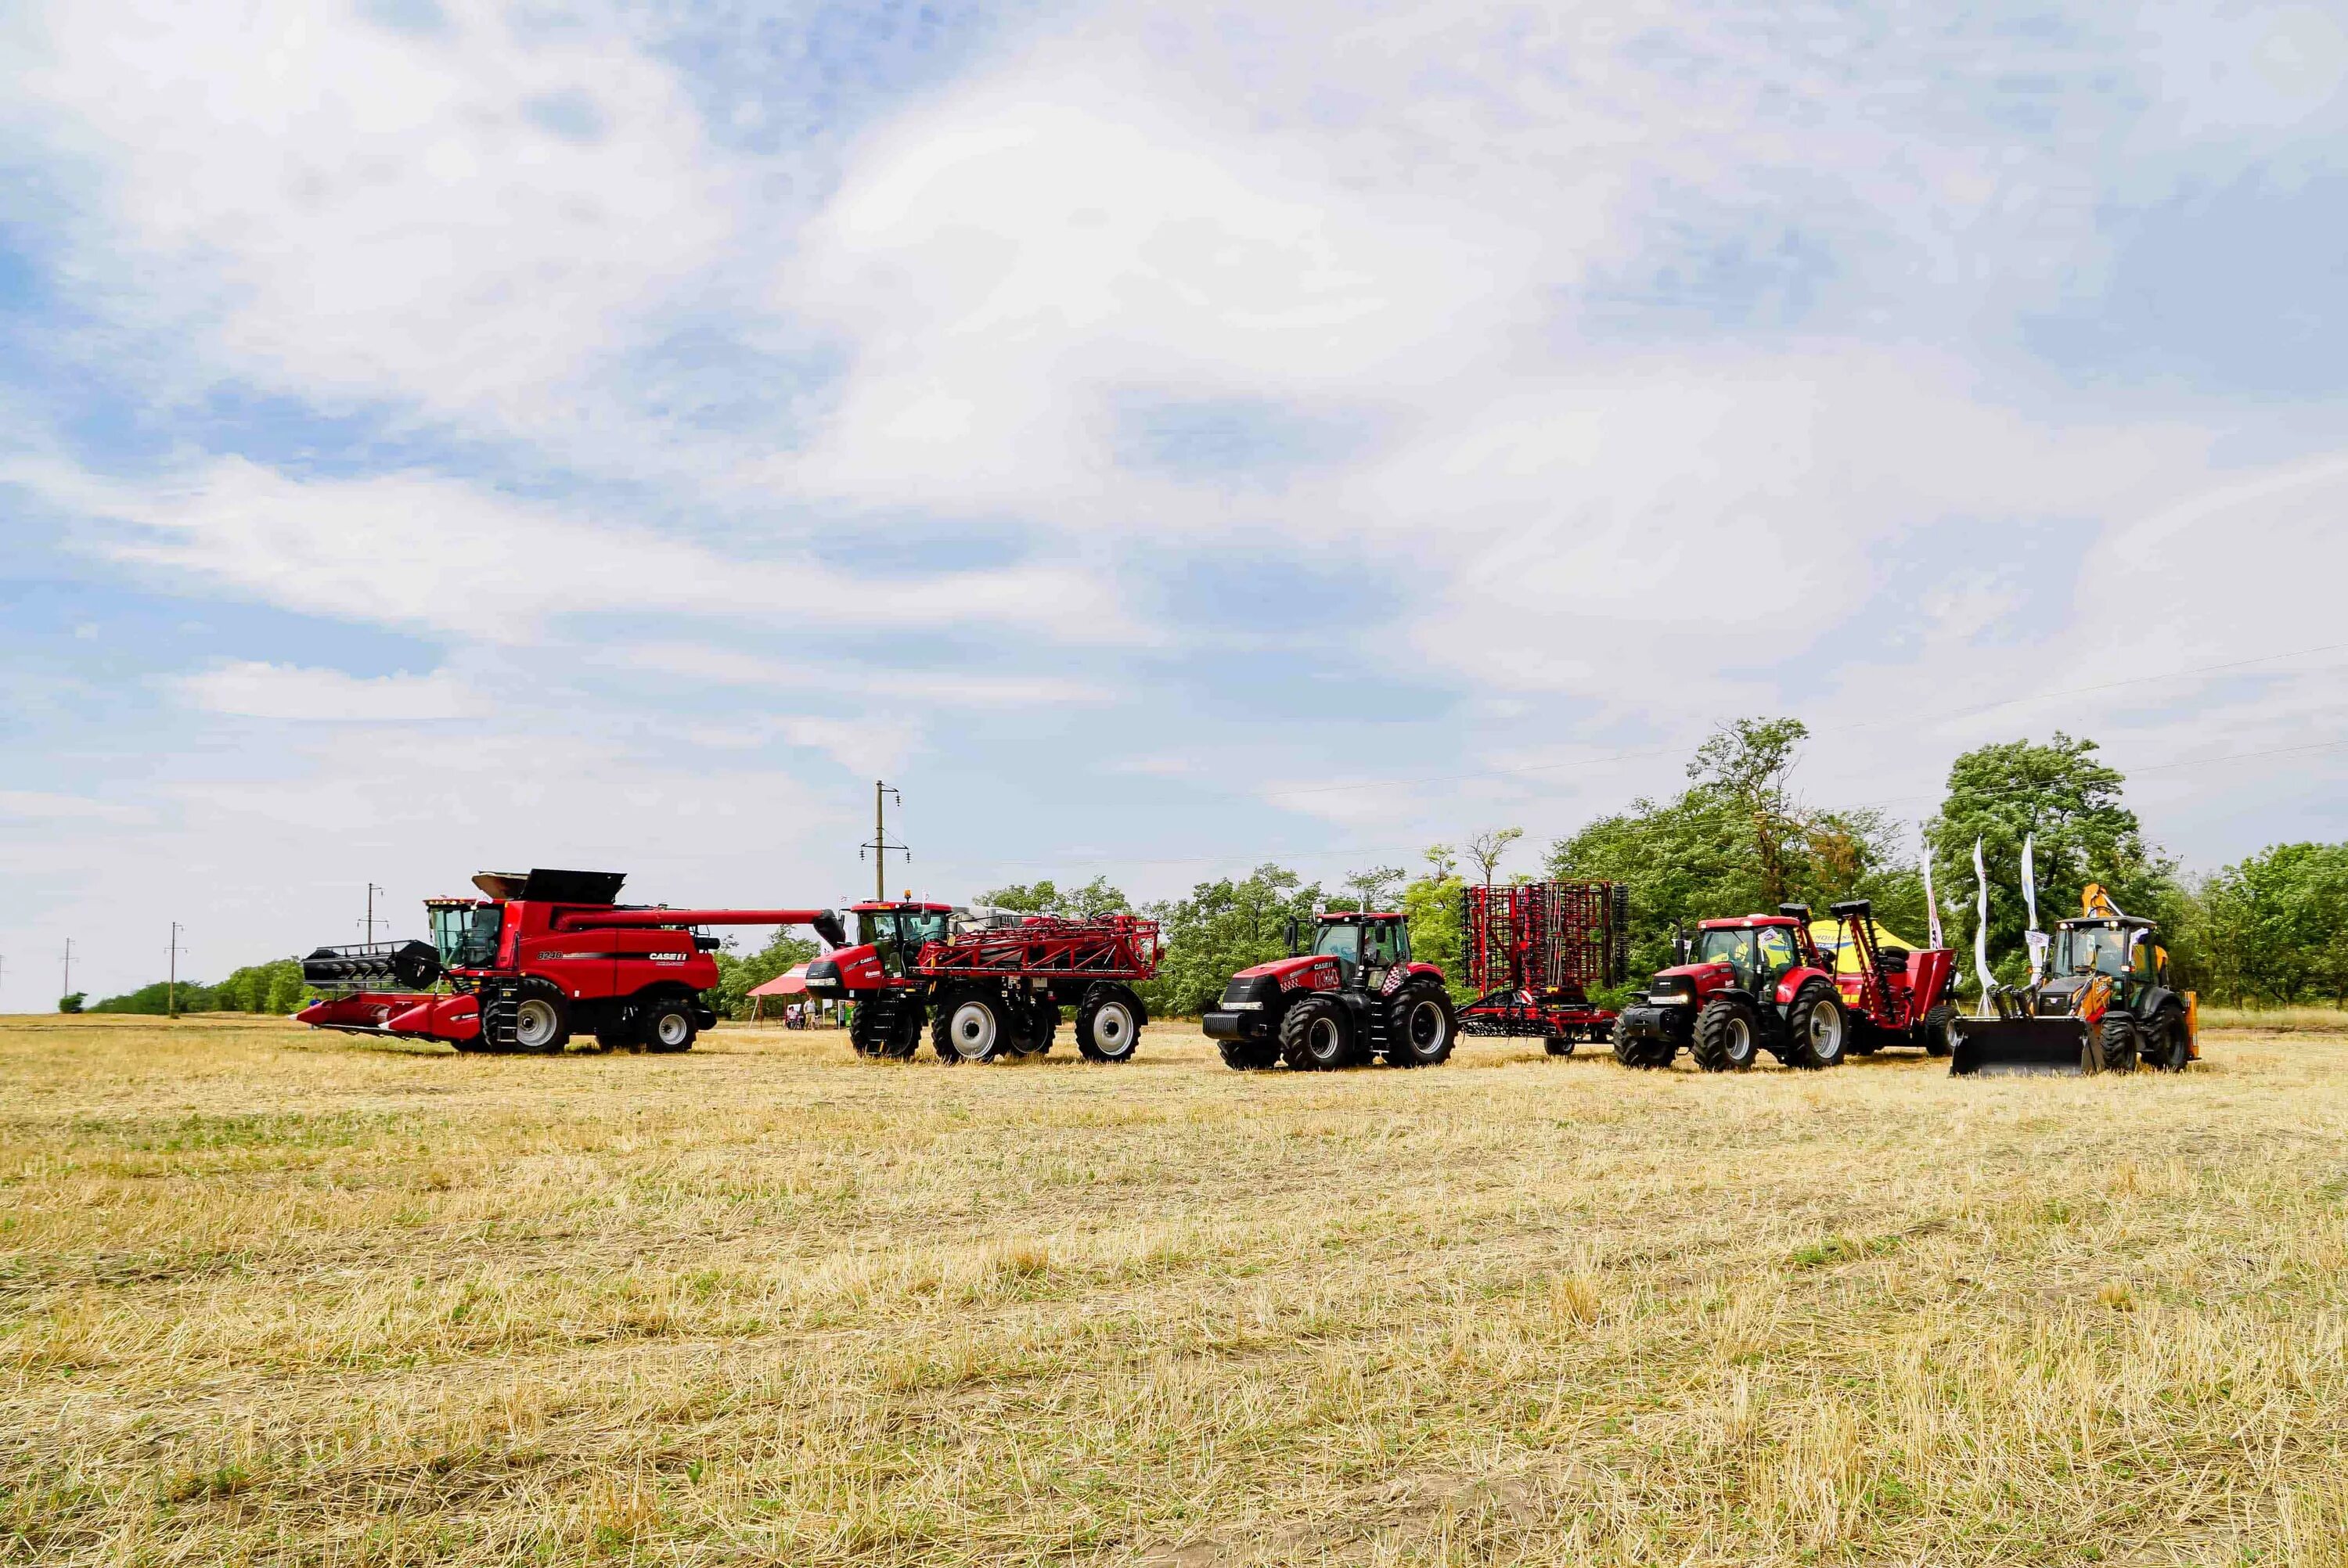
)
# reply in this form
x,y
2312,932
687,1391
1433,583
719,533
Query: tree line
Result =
x,y
1740,838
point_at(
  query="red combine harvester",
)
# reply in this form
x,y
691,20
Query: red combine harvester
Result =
x,y
543,956
1357,996
1535,950
989,986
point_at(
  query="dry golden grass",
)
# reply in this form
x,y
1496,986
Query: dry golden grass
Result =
x,y
269,1295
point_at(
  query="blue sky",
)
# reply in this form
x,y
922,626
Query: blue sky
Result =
x,y
1158,437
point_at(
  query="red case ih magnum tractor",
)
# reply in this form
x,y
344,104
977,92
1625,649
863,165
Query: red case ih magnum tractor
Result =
x,y
1760,983
1534,952
1355,995
988,988
543,956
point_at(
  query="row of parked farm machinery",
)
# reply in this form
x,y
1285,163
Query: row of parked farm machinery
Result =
x,y
543,956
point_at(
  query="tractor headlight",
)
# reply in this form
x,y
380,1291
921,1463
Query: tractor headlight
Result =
x,y
1668,999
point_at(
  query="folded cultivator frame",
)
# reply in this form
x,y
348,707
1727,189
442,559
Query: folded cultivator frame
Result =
x,y
1534,951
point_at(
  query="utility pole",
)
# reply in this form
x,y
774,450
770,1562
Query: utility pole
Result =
x,y
68,990
881,847
171,986
372,891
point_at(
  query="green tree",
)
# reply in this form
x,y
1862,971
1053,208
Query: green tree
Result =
x,y
1433,901
1488,848
71,1001
1737,842
2059,795
738,977
2274,926
1374,889
1092,901
1223,927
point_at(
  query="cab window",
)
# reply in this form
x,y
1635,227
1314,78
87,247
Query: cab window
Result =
x,y
1385,945
1342,943
1777,945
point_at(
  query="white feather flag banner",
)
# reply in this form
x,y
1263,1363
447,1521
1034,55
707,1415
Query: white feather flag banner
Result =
x,y
1981,924
1932,904
2037,939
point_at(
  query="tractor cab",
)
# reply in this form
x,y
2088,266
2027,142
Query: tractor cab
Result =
x,y
1757,950
1365,945
896,933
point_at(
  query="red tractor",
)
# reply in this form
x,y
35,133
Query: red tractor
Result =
x,y
1742,986
1357,996
541,956
989,986
1534,951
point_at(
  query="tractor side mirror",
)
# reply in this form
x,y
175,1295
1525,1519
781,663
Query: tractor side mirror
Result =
x,y
1682,944
1289,934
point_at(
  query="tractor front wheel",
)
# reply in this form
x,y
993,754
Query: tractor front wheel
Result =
x,y
1249,1055
2119,1042
1817,1027
1728,1036
1107,1027
1647,1055
1317,1036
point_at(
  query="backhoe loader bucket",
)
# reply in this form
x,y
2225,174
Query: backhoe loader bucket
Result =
x,y
2020,1048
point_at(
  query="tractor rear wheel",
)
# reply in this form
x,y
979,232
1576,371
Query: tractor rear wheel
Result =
x,y
1728,1036
666,1025
1249,1055
1317,1036
1421,1028
2164,1045
541,1019
970,1027
2119,1042
1818,1030
1937,1031
1107,1027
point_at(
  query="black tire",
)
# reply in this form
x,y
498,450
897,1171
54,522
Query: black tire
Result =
x,y
1646,1055
666,1025
616,1029
1936,1030
2167,1048
863,1034
1108,1026
1249,1055
1728,1036
2119,1042
970,1025
1043,1026
1818,1029
1318,1036
541,1019
1558,1045
1421,1028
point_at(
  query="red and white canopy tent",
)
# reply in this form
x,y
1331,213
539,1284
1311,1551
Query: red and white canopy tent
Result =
x,y
791,983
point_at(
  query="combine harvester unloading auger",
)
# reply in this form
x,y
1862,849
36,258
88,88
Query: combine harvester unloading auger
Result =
x,y
2103,1004
541,957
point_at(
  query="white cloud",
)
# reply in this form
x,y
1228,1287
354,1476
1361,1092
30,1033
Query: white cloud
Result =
x,y
253,689
466,216
917,687
418,550
36,805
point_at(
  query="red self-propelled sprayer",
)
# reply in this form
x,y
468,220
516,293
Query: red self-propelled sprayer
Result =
x,y
542,956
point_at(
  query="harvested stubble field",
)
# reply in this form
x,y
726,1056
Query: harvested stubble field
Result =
x,y
271,1295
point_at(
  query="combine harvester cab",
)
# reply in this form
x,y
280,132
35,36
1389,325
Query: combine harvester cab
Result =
x,y
539,957
1534,951
2106,1006
989,986
1744,986
1357,996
